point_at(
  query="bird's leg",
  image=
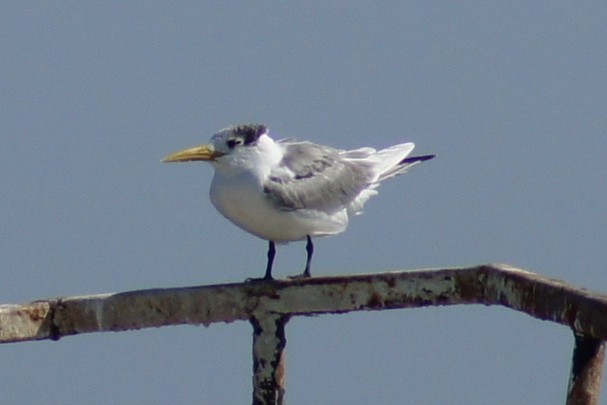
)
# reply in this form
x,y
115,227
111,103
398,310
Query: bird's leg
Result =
x,y
310,250
306,273
271,254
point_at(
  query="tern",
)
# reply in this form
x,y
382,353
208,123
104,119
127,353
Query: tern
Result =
x,y
286,190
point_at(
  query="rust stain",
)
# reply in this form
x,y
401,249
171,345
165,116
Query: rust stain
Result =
x,y
376,300
35,314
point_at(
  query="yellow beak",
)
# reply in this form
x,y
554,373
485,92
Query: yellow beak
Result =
x,y
202,152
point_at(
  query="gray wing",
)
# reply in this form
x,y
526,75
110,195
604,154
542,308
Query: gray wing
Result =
x,y
315,177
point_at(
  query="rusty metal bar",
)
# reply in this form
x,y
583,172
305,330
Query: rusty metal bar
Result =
x,y
269,305
543,298
586,371
269,341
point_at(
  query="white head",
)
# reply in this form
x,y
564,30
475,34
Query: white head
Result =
x,y
237,146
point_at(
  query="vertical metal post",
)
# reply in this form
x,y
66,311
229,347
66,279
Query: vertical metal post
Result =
x,y
586,371
269,342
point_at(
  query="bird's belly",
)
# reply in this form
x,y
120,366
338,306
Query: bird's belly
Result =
x,y
247,207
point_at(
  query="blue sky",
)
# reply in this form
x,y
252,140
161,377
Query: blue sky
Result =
x,y
510,96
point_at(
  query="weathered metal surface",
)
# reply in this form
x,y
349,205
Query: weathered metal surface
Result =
x,y
31,321
586,371
268,306
535,295
269,341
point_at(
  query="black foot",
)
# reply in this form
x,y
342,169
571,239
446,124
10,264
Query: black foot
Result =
x,y
300,276
258,279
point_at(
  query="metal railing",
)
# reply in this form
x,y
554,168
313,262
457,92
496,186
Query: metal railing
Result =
x,y
269,305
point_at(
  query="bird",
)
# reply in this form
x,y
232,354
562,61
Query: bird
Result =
x,y
287,190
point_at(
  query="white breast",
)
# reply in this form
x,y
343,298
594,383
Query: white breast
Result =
x,y
241,200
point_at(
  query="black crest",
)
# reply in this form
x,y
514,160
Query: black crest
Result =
x,y
250,133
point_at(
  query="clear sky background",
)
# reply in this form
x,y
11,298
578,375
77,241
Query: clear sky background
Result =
x,y
511,96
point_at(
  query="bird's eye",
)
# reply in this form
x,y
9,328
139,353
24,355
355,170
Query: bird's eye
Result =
x,y
232,143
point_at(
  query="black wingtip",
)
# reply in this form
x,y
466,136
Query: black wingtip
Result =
x,y
415,159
